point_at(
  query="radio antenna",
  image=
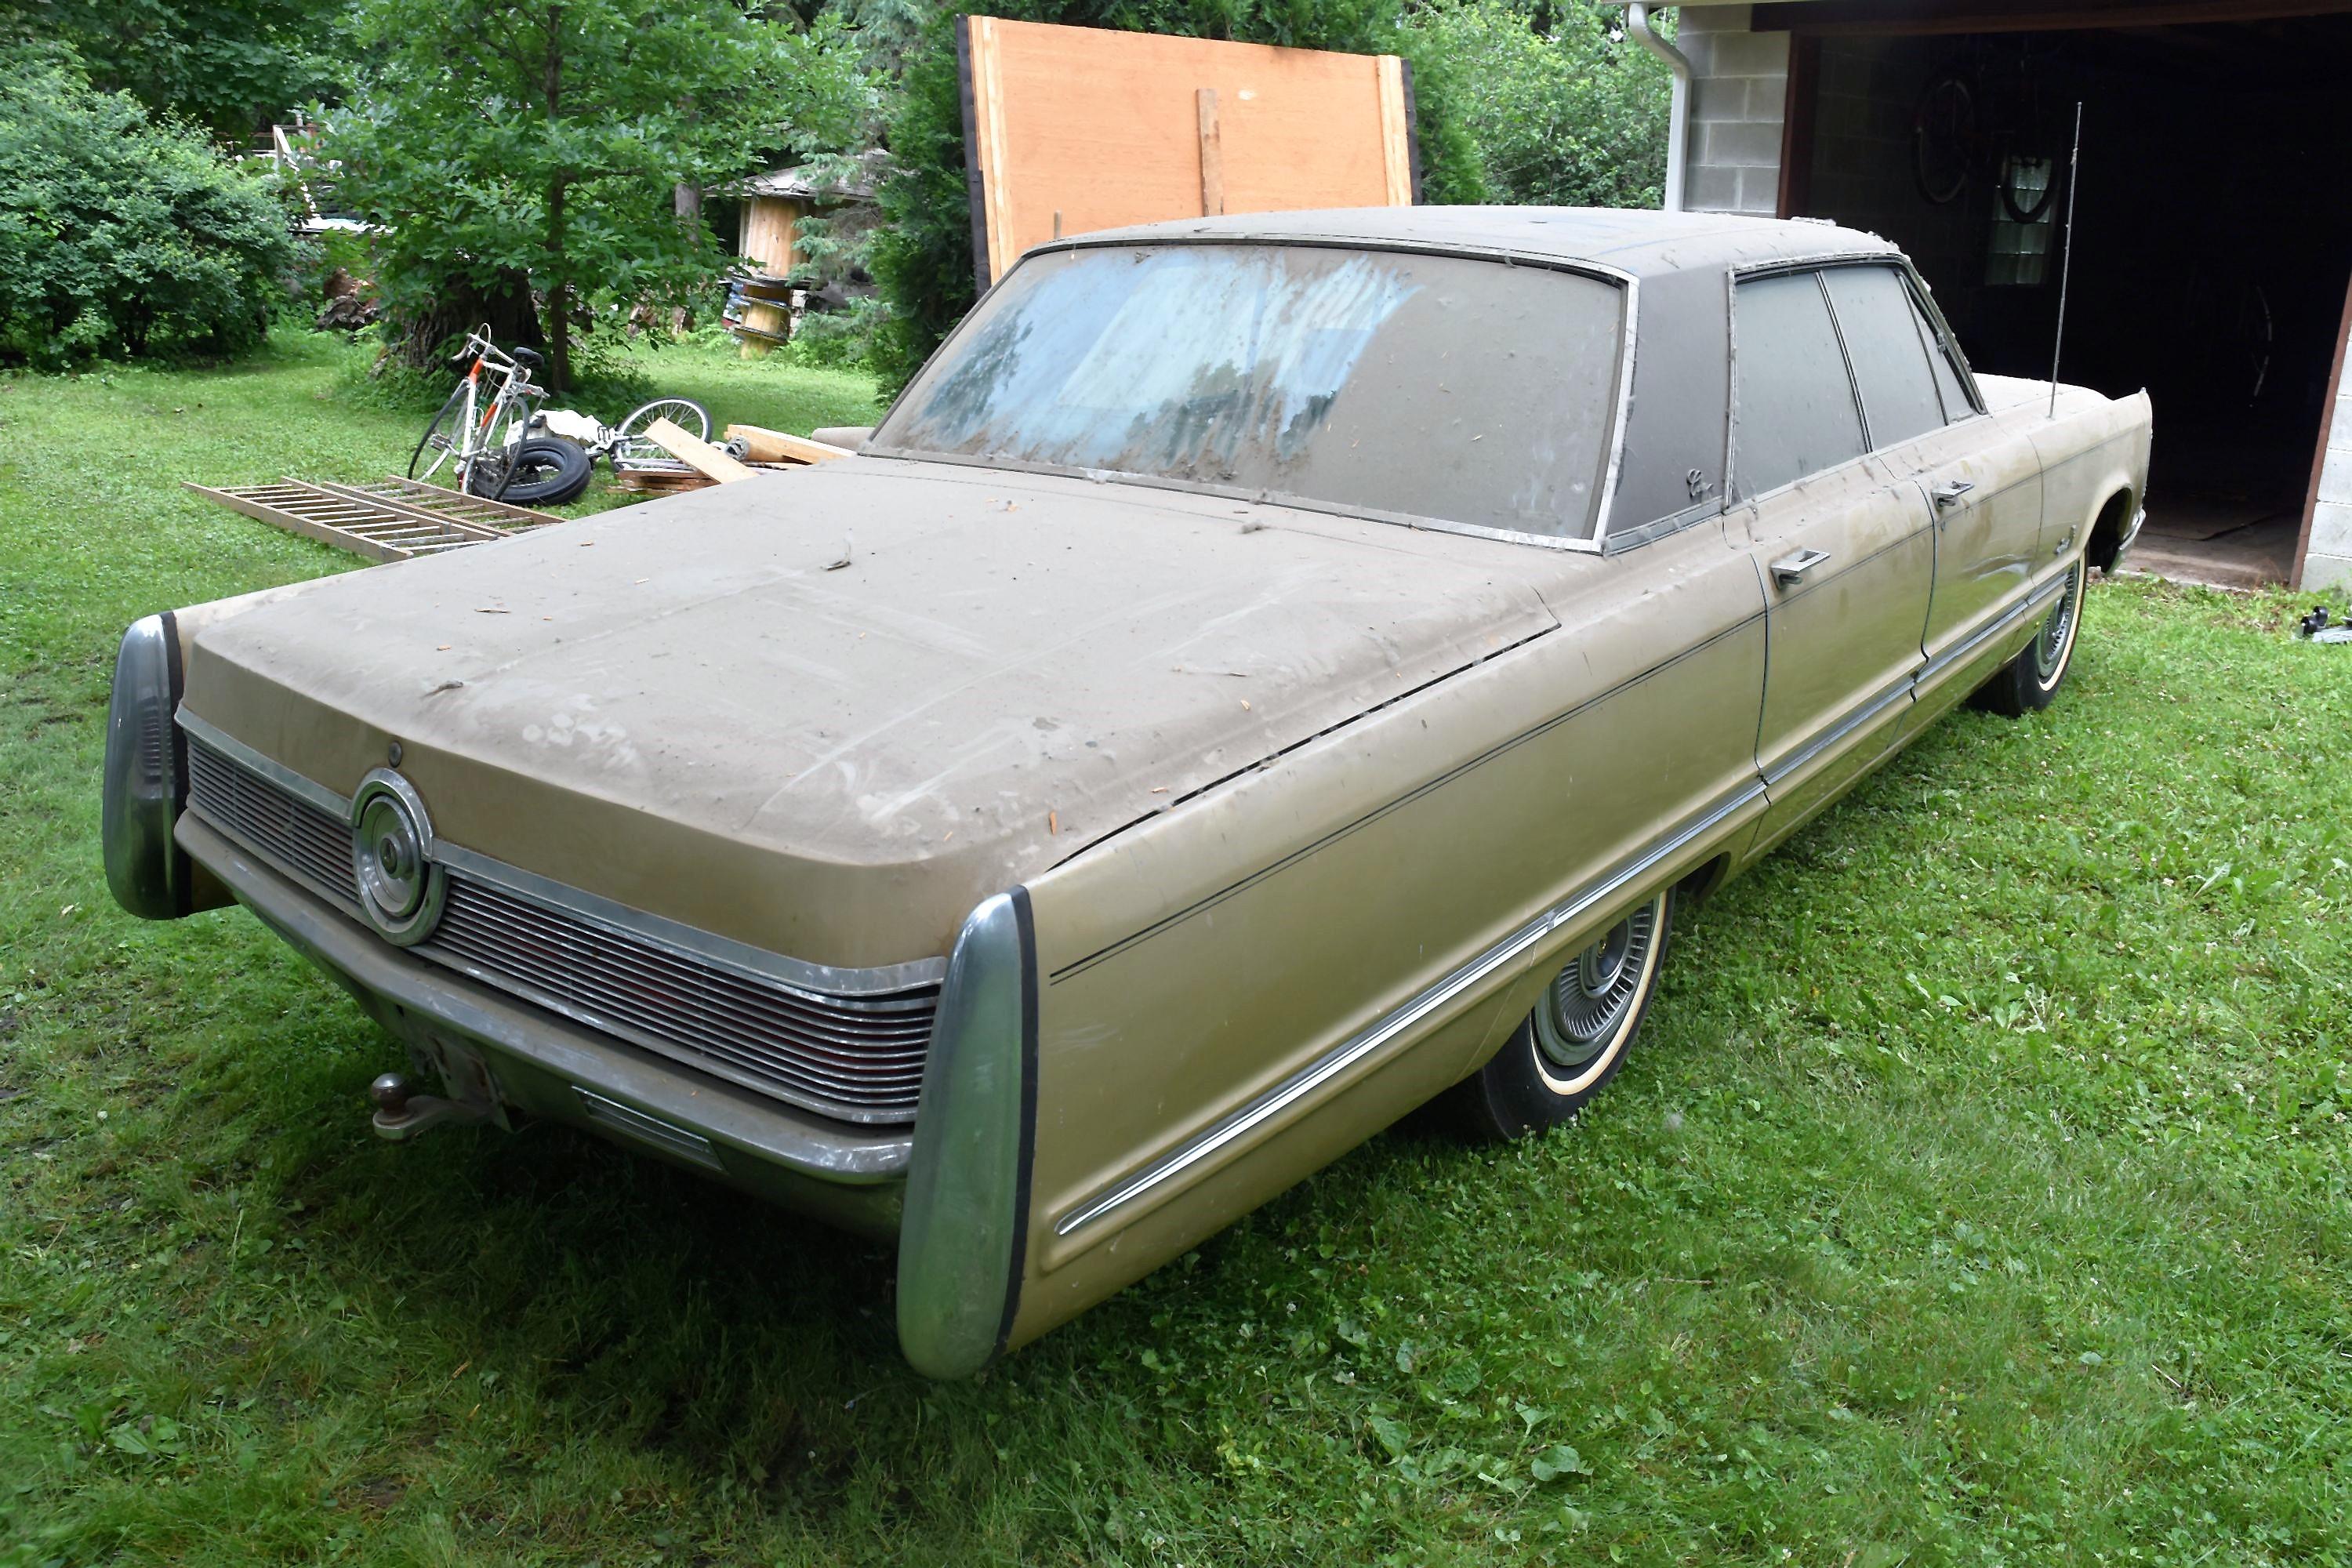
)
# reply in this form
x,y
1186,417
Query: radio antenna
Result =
x,y
2066,262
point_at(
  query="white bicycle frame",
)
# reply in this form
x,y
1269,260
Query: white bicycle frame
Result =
x,y
514,390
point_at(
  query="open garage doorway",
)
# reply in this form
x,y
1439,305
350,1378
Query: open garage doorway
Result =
x,y
2211,257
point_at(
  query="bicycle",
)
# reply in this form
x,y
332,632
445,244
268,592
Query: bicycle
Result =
x,y
504,449
487,441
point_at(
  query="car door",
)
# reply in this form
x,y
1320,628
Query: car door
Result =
x,y
1846,553
1979,481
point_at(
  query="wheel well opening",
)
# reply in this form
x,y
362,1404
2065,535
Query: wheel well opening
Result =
x,y
1699,883
2107,532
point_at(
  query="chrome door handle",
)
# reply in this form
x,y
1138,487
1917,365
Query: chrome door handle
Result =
x,y
1949,495
1789,569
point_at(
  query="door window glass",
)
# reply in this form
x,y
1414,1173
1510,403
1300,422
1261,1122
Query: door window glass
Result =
x,y
1957,405
1795,401
1890,361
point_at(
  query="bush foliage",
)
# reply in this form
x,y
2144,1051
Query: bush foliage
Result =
x,y
1569,112
527,153
230,65
120,236
922,259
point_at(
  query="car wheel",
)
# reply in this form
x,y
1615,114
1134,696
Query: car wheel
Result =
x,y
1564,1052
2030,680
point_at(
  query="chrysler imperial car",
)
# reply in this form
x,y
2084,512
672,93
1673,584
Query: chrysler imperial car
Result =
x,y
1264,674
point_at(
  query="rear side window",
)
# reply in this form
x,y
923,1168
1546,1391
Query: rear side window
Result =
x,y
1875,316
1794,401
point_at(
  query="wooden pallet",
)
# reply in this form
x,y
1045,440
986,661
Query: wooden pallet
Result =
x,y
391,519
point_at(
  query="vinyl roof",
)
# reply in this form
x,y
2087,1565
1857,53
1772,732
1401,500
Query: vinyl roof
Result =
x,y
1638,241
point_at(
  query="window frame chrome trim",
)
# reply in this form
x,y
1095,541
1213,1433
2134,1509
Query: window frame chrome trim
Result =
x,y
1612,447
1817,265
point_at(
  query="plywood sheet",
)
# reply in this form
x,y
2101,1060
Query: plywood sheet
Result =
x,y
1070,130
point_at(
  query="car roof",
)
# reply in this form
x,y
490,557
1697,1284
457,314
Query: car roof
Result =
x,y
1631,240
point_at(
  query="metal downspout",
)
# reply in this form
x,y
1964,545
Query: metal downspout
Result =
x,y
1637,22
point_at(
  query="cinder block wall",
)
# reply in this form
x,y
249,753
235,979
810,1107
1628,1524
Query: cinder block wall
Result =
x,y
2329,562
1739,93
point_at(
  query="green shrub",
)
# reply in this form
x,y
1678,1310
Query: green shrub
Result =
x,y
1571,115
922,257
121,237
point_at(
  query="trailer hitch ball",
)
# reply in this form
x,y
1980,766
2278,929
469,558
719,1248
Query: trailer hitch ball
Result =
x,y
402,1112
390,1092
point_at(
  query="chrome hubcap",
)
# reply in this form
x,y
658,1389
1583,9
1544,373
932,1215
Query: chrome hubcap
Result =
x,y
2057,636
1587,1006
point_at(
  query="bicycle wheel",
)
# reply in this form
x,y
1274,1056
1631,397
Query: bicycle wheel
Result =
x,y
442,438
633,445
500,440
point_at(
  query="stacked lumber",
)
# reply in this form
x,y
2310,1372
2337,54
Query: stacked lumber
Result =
x,y
697,463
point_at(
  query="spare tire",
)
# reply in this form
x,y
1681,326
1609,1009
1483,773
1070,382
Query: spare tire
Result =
x,y
547,471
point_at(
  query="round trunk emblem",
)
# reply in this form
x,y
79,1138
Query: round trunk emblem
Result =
x,y
401,887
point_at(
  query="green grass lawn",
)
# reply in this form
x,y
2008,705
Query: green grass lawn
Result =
x,y
1978,1193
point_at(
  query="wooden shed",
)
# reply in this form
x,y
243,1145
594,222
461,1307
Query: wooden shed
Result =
x,y
775,205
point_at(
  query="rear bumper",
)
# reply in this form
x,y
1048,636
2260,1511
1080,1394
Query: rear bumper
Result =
x,y
548,1067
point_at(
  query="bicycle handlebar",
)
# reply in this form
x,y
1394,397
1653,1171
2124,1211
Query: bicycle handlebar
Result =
x,y
479,345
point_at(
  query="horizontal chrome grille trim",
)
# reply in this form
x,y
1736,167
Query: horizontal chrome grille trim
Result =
x,y
1394,1024
846,1043
830,981
287,830
316,795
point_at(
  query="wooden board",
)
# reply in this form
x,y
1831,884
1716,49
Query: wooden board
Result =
x,y
697,453
1069,129
771,226
765,446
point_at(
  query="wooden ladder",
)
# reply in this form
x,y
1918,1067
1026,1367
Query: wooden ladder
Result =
x,y
391,519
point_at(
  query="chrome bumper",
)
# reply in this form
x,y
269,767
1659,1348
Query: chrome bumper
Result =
x,y
146,776
548,1067
2123,545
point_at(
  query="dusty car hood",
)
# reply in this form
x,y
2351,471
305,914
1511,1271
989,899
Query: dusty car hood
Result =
x,y
694,707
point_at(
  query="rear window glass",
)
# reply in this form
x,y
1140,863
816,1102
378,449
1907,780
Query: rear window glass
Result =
x,y
1435,386
1795,406
1876,315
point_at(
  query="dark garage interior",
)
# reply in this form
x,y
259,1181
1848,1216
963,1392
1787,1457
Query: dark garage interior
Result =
x,y
2210,256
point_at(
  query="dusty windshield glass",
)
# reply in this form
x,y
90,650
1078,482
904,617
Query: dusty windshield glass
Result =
x,y
1433,386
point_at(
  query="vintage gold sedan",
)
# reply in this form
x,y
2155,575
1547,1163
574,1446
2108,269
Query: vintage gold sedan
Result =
x,y
1264,673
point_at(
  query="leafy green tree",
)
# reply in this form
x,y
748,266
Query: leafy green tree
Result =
x,y
1569,112
230,65
120,237
922,257
522,150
